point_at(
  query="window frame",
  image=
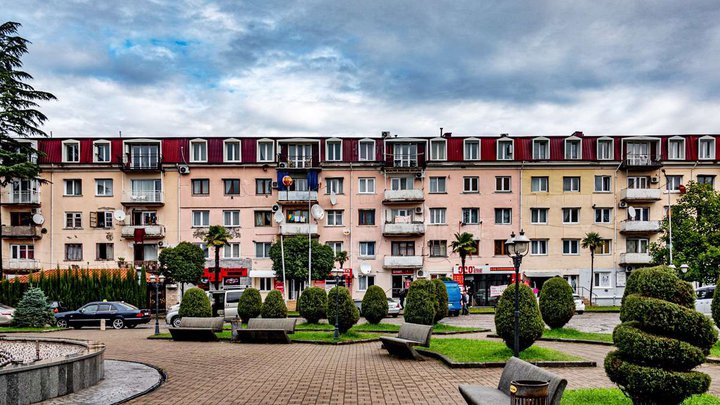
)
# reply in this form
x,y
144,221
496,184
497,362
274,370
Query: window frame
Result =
x,y
66,251
65,156
546,183
77,191
369,280
683,148
544,140
575,141
501,180
444,149
502,211
112,252
259,145
602,183
713,150
265,249
538,210
367,245
263,181
225,188
204,214
498,149
467,212
570,179
96,155
570,211
535,243
368,181
198,141
605,139
436,180
266,220
361,146
75,217
432,216
265,280
333,141
225,150
570,244
16,249
232,215
466,141
335,215
339,181
465,184
598,278
205,185
112,187
231,246
364,214
441,244
676,189
601,210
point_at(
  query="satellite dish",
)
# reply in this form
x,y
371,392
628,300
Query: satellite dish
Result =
x,y
365,268
317,212
119,215
278,217
631,212
38,219
333,197
346,232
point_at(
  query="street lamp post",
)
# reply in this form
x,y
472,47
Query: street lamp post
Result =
x,y
338,273
516,248
156,281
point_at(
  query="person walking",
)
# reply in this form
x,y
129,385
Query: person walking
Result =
x,y
402,295
464,302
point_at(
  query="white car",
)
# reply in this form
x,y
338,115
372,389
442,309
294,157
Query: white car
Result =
x,y
704,299
579,304
6,314
172,317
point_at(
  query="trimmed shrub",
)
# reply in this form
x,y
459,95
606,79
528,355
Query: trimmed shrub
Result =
x,y
715,305
442,300
249,304
347,313
531,323
374,305
662,338
274,306
195,303
557,306
421,303
33,310
312,304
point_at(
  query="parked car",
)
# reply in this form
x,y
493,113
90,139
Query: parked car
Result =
x,y
229,302
579,304
116,314
57,306
393,307
454,297
6,315
172,317
704,299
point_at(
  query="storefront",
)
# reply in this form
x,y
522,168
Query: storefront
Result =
x,y
401,279
484,283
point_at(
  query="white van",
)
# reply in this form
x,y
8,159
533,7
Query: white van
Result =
x,y
230,300
704,299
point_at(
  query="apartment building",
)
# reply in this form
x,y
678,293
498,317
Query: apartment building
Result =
x,y
393,203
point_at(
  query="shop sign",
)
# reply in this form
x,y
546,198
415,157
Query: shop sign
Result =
x,y
468,270
280,286
319,283
497,290
402,272
459,279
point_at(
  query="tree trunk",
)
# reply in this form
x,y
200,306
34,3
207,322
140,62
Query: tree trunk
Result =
x,y
592,274
217,267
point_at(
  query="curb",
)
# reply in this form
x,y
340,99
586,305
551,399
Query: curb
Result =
x,y
2,332
500,364
347,342
163,378
461,332
712,360
563,340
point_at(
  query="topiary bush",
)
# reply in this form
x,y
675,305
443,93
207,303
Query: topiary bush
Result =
x,y
33,310
195,303
557,306
312,304
249,304
441,310
347,313
660,340
715,305
421,303
274,306
531,323
374,305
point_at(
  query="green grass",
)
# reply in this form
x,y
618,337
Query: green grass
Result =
x,y
381,327
441,327
715,350
568,333
588,308
10,329
613,396
293,314
328,337
470,350
305,326
482,310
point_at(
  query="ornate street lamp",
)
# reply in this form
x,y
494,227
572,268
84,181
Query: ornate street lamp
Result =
x,y
516,248
156,282
338,273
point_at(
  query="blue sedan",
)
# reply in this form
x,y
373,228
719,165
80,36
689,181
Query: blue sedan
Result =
x,y
116,314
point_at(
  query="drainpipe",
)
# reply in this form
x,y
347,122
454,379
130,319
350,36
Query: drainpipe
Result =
x,y
615,230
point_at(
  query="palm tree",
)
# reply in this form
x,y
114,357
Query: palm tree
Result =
x,y
591,241
341,257
464,245
217,236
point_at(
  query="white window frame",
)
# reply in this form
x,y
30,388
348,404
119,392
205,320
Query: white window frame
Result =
x,y
570,210
439,244
226,159
266,141
538,210
571,189
599,275
470,220
547,148
438,216
671,180
335,184
436,181
573,140
195,142
535,246
503,181
477,184
569,252
64,151
612,148
336,246
512,148
362,142
112,186
15,250
479,146
502,212
602,210
265,251
368,182
682,151
333,141
444,149
96,154
364,282
204,218
599,251
232,214
702,140
75,217
333,216
233,248
603,177
540,189
364,248
65,187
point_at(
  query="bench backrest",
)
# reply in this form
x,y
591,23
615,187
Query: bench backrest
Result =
x,y
516,369
287,324
191,322
416,332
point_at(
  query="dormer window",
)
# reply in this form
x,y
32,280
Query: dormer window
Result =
x,y
232,150
605,149
366,150
676,148
505,149
572,149
71,152
471,149
541,149
265,150
101,152
438,149
333,150
706,148
198,151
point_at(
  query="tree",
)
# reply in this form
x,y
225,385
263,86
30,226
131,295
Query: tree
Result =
x,y
591,241
195,303
33,310
183,263
695,234
341,257
557,306
374,305
312,304
421,303
296,259
343,308
274,306
464,245
217,236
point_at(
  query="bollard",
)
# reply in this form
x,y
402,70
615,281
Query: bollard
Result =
x,y
102,324
528,392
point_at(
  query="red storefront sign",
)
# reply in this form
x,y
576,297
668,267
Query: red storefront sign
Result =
x,y
348,274
459,279
319,283
280,286
402,272
225,272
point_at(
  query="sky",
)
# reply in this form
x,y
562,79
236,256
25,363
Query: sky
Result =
x,y
356,68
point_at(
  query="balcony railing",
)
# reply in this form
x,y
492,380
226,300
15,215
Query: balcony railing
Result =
x,y
405,160
143,197
641,160
640,194
629,226
151,231
21,197
142,162
404,226
289,229
286,195
19,264
403,196
299,162
20,232
403,262
635,258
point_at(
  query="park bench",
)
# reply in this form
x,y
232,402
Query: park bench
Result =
x,y
515,369
411,334
198,329
260,330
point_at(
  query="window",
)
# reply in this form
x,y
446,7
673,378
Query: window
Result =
x,y
503,216
674,182
437,185
571,215
366,217
470,184
604,248
73,252
232,186
602,215
602,280
366,150
405,155
602,184
635,245
21,219
571,184
73,187
200,219
706,148
571,246
438,248
146,190
539,184
505,149
470,216
366,185
539,247
403,248
438,149
401,183
73,220
231,219
437,216
706,179
263,218
335,217
367,249
333,151
262,250
500,249
472,149
538,215
231,251
638,182
71,152
541,149
102,152
103,187
263,186
201,186
336,246
104,251
266,151
605,149
572,149
266,283
198,151
676,148
144,217
232,150
502,184
22,252
365,281
204,248
101,219
334,185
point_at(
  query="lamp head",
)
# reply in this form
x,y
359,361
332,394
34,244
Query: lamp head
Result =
x,y
510,245
684,268
522,244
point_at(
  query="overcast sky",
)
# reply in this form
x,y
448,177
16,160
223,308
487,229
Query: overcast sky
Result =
x,y
355,68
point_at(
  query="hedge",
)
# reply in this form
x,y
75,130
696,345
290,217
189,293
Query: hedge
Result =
x,y
312,304
662,284
195,303
374,305
347,312
33,311
646,349
557,306
421,303
249,304
715,305
442,300
531,323
274,306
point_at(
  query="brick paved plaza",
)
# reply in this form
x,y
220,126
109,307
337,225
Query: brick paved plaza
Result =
x,y
224,373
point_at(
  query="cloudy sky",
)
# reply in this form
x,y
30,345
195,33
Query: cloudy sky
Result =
x,y
354,68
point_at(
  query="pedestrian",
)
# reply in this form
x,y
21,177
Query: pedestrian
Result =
x,y
463,303
401,295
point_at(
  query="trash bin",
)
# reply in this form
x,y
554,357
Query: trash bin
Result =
x,y
528,392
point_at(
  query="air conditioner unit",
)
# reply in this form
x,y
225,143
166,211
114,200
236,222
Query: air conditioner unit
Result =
x,y
421,273
282,165
419,175
629,268
622,204
385,134
275,208
274,185
654,180
418,210
183,169
161,243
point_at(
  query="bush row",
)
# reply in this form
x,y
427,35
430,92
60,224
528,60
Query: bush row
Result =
x,y
557,306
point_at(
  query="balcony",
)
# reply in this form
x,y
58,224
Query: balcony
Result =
x,y
640,194
290,229
403,226
20,232
28,265
639,227
403,196
641,161
141,162
403,262
295,197
143,198
21,198
151,231
635,258
297,162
